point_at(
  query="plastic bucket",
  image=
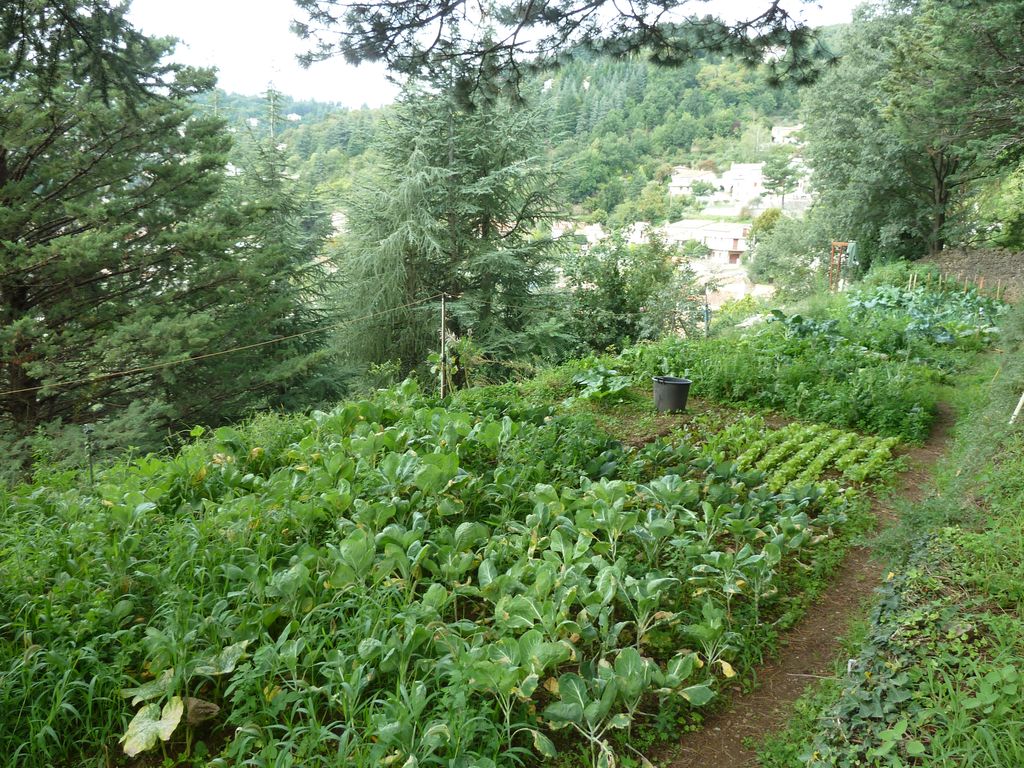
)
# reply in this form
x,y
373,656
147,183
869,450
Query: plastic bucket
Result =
x,y
670,393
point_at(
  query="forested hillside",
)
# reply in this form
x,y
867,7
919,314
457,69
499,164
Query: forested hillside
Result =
x,y
617,127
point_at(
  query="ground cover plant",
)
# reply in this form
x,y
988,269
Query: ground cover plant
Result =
x,y
935,679
395,583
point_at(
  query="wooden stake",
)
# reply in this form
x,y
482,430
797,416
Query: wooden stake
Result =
x,y
1016,411
444,372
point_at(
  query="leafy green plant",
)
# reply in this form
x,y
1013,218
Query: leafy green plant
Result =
x,y
601,383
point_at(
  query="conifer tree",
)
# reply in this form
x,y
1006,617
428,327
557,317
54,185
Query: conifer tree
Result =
x,y
119,254
455,206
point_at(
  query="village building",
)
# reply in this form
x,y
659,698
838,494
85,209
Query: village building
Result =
x,y
683,179
786,134
727,241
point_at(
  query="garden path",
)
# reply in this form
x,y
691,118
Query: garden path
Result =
x,y
809,649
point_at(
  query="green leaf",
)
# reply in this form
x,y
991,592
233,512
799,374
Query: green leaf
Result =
x,y
288,582
598,710
564,712
680,667
151,723
621,720
528,686
574,700
224,662
543,744
469,534
154,689
486,573
436,471
916,748
629,664
698,695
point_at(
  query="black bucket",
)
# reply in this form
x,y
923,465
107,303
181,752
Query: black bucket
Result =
x,y
670,393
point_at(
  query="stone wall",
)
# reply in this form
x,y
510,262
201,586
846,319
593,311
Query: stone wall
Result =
x,y
1000,268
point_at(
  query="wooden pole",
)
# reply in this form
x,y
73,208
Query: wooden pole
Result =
x,y
444,372
1016,411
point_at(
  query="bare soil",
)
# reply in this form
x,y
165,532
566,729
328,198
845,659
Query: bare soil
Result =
x,y
809,650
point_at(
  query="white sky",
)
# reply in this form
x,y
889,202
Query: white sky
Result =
x,y
251,45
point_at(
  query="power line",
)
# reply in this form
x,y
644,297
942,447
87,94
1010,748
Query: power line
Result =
x,y
218,353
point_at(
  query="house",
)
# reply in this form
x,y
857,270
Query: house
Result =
x,y
786,134
727,241
734,190
683,179
591,233
743,182
636,233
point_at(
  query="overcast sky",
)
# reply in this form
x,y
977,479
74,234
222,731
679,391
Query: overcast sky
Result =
x,y
250,43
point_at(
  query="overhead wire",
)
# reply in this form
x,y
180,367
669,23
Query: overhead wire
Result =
x,y
217,353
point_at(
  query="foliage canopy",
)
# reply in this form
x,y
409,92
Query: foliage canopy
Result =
x,y
500,43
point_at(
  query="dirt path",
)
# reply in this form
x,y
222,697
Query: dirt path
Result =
x,y
809,649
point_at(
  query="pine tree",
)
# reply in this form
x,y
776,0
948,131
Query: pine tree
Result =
x,y
281,253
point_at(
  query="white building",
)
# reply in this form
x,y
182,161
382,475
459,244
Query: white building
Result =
x,y
727,241
592,233
636,233
743,182
786,134
736,191
721,269
683,179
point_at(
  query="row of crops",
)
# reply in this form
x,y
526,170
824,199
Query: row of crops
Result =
x,y
935,676
394,583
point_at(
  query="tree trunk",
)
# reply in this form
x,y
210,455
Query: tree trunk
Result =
x,y
943,167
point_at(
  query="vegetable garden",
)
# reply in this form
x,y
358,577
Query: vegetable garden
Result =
x,y
395,582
